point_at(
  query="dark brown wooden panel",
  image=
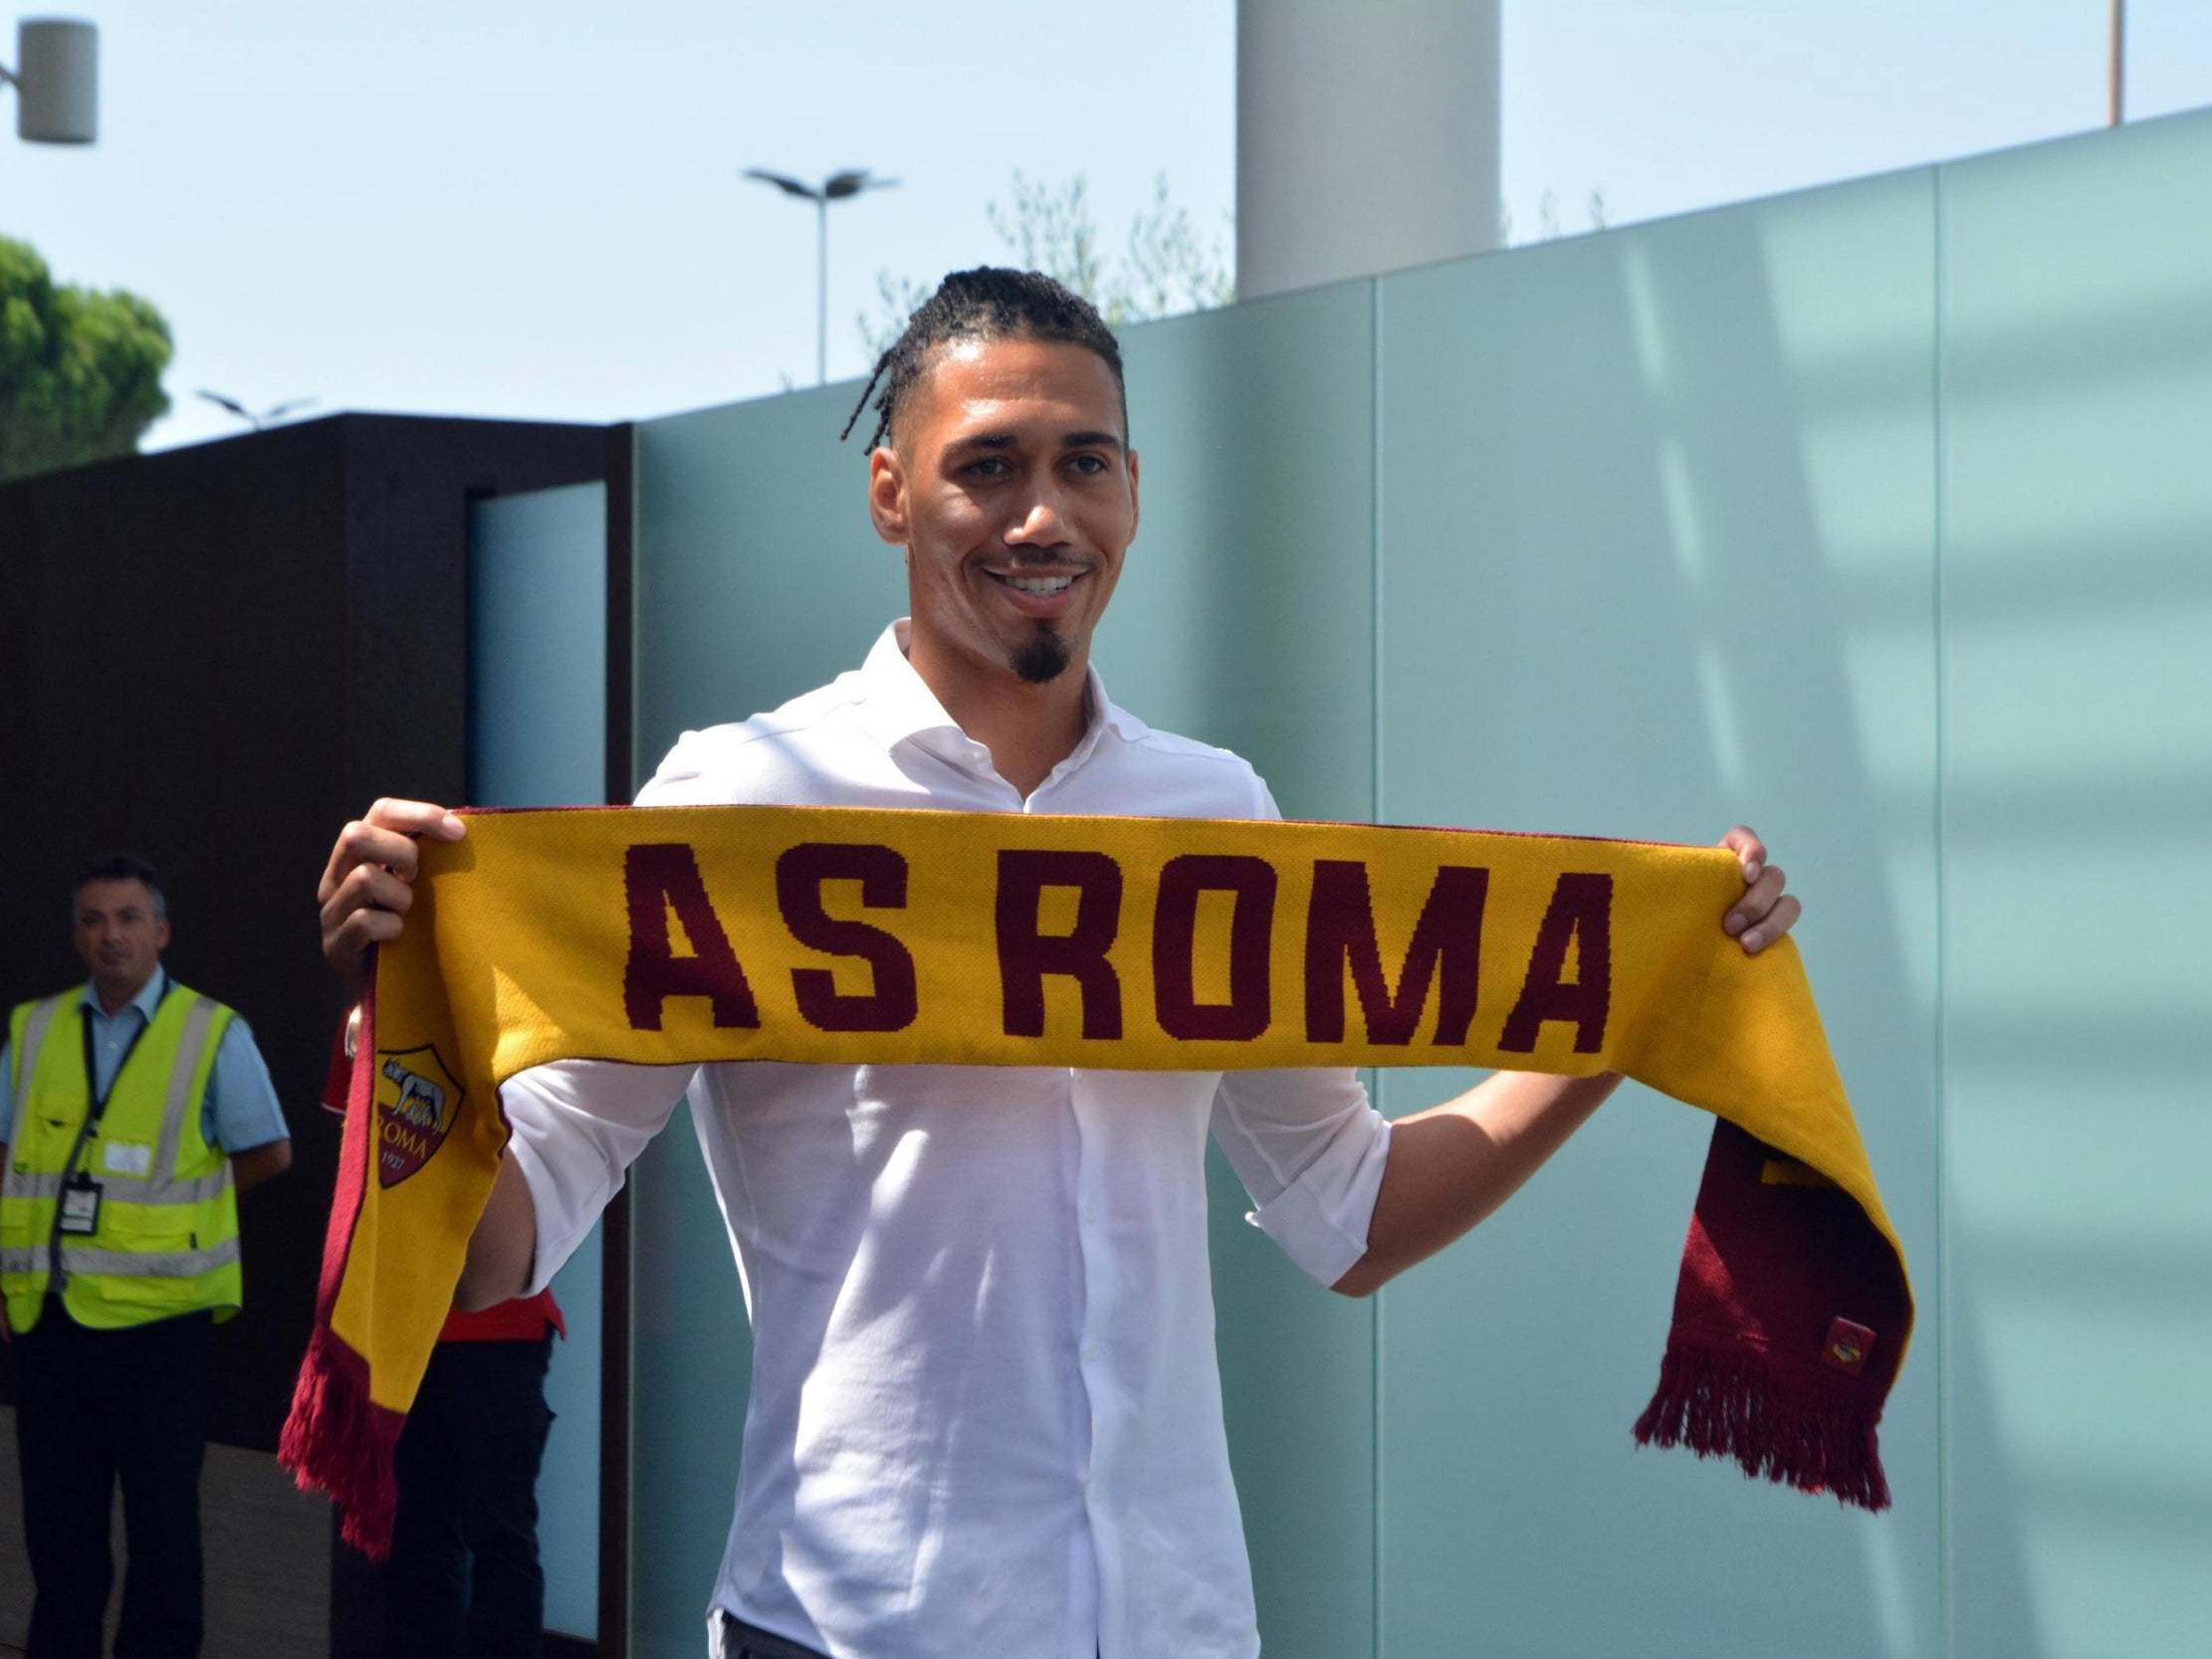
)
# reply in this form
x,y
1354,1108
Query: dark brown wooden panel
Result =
x,y
213,657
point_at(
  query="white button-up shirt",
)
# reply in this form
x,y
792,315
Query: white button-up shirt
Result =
x,y
986,1419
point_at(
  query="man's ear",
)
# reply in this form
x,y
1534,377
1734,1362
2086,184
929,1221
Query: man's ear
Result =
x,y
161,934
1132,495
887,503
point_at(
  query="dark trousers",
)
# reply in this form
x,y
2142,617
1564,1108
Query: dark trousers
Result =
x,y
93,1408
464,1578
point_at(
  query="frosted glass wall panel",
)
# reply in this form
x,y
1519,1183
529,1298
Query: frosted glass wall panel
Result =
x,y
691,1356
1244,618
538,738
1659,550
758,577
538,663
1656,542
1244,614
2077,880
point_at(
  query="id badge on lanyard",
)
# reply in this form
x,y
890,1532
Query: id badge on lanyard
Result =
x,y
81,1196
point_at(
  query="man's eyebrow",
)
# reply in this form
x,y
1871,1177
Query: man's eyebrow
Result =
x,y
1092,440
984,441
993,442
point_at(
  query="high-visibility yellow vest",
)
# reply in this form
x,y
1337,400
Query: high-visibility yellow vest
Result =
x,y
166,1240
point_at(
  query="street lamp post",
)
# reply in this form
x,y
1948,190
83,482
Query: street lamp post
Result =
x,y
836,188
2116,62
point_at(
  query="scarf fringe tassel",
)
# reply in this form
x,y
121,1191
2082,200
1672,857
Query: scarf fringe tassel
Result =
x,y
1776,1428
340,1441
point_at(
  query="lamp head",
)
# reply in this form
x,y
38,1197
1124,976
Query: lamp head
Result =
x,y
783,182
56,81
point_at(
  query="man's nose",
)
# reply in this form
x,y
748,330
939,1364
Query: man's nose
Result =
x,y
1044,524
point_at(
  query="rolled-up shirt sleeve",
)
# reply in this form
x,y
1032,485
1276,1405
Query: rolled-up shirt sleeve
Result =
x,y
578,1125
1308,1145
1310,1150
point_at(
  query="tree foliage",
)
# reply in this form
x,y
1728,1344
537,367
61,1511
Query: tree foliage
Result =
x,y
1166,264
80,370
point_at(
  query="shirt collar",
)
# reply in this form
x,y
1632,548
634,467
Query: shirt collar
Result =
x,y
898,706
146,1001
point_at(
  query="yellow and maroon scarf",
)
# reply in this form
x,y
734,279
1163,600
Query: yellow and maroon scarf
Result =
x,y
847,936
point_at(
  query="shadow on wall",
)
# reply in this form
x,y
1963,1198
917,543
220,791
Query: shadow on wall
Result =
x,y
1626,579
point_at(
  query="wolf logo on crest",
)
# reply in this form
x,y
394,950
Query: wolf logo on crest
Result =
x,y
417,1100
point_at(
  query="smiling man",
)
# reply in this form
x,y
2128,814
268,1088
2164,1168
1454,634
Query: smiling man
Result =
x,y
132,1112
1014,491
984,1416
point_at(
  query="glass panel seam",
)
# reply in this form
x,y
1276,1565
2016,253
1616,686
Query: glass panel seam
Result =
x,y
1942,1011
637,610
1375,753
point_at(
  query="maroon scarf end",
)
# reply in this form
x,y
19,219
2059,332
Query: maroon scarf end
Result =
x,y
340,1441
1797,1430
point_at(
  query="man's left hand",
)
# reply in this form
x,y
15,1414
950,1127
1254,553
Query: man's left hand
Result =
x,y
1765,912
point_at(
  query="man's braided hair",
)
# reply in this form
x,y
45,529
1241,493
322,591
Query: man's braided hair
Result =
x,y
988,302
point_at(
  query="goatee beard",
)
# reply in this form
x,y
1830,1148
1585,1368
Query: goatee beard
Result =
x,y
1042,656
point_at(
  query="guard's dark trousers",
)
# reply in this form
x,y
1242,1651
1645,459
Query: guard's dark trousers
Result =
x,y
93,1408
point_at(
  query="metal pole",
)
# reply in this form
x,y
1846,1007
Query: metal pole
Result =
x,y
2115,65
822,291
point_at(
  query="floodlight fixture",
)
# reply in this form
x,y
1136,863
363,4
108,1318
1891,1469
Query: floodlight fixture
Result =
x,y
56,81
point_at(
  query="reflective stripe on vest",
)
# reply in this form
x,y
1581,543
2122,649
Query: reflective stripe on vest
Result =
x,y
26,1053
129,1188
182,1099
143,1264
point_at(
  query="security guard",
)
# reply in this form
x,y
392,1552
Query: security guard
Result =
x,y
132,1112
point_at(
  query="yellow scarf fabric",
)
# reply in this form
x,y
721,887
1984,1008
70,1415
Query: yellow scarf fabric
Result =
x,y
852,935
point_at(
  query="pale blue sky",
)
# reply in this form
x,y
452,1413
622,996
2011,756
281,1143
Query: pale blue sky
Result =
x,y
534,210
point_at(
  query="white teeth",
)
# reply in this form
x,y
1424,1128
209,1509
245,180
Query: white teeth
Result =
x,y
1038,584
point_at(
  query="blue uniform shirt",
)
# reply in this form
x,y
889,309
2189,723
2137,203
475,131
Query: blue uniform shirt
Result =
x,y
240,1111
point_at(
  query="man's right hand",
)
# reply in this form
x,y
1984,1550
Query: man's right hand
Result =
x,y
367,887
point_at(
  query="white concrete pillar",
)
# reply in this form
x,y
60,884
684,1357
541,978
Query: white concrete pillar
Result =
x,y
1367,138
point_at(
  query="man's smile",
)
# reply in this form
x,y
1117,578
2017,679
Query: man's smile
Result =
x,y
1033,584
1038,594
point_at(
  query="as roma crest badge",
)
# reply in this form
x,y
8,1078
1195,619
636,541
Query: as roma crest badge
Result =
x,y
418,1099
